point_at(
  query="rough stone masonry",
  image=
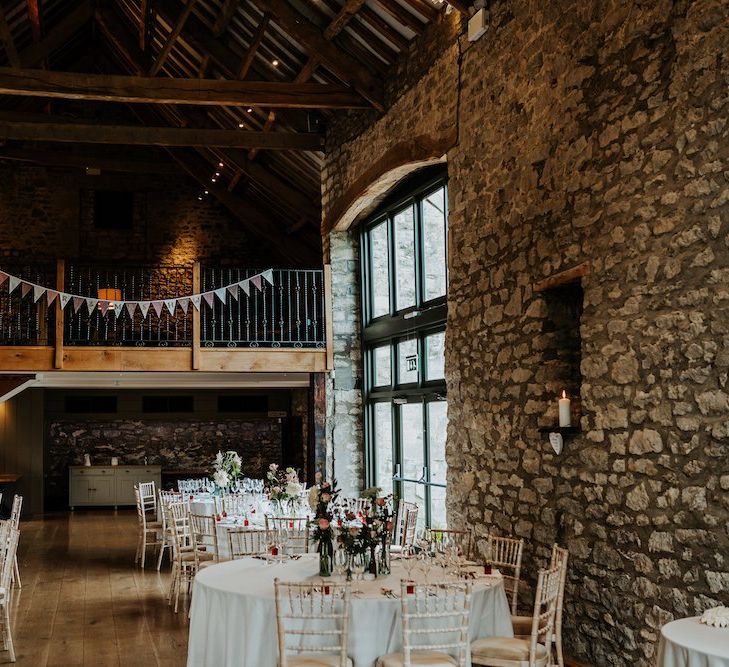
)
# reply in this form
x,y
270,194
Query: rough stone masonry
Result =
x,y
593,132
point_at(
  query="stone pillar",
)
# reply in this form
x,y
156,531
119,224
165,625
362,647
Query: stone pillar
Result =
x,y
345,459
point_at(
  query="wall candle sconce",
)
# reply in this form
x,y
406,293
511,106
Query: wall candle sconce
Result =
x,y
565,416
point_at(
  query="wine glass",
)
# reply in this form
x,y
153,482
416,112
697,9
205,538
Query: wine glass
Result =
x,y
358,566
341,561
409,561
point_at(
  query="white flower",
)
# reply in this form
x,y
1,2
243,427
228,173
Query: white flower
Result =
x,y
219,458
237,461
293,489
273,467
717,617
221,478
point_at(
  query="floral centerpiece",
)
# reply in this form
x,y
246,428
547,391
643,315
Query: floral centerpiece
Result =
x,y
283,487
378,519
323,529
226,469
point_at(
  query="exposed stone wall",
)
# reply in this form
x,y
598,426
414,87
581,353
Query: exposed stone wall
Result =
x,y
47,213
171,444
591,132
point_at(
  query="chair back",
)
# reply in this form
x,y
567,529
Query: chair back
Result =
x,y
234,504
246,542
435,617
16,510
148,497
545,608
405,524
178,527
505,553
462,539
312,618
9,535
559,560
204,534
297,528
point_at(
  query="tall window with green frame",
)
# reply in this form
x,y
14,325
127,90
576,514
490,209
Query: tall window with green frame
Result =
x,y
404,289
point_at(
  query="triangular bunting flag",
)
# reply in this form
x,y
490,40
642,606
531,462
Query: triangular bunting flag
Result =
x,y
209,296
171,305
77,303
195,299
91,304
243,284
38,291
157,305
65,298
25,288
184,304
131,307
222,294
103,307
256,280
3,277
13,282
234,290
119,308
268,276
51,295
144,308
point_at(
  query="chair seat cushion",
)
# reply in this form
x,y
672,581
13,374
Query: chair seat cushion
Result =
x,y
505,648
418,659
522,625
153,524
315,660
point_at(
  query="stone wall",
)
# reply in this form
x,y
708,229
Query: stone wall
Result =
x,y
174,445
47,213
594,133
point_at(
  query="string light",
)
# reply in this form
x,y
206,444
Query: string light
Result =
x,y
221,165
217,173
241,125
250,109
274,62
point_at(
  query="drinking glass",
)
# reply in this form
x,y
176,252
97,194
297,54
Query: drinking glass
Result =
x,y
341,561
358,566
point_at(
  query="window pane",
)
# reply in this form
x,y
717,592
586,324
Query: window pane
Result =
x,y
411,425
383,446
381,360
415,493
434,243
437,424
434,346
405,259
379,271
407,351
438,507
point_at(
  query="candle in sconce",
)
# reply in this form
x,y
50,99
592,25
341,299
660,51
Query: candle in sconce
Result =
x,y
565,416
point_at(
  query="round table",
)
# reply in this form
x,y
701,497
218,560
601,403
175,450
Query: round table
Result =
x,y
688,643
233,616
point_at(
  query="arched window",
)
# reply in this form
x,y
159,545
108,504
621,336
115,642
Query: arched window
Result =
x,y
404,304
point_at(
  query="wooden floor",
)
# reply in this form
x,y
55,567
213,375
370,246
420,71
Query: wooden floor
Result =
x,y
84,603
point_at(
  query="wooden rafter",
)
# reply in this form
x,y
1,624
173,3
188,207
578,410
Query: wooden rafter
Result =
x,y
36,24
402,15
172,38
462,6
310,37
425,8
206,92
6,37
225,17
155,136
250,55
342,17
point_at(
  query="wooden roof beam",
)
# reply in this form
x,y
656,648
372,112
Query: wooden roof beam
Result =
x,y
206,92
402,15
225,17
155,136
36,24
250,55
309,35
171,38
342,17
6,37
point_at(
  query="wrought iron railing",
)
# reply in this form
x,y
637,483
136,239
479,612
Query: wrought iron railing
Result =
x,y
138,283
22,320
288,313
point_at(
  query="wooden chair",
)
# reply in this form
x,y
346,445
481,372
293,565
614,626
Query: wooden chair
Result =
x,y
435,620
150,530
244,542
15,521
234,504
184,558
148,494
165,498
534,651
505,553
462,538
8,550
523,624
203,530
298,530
312,620
405,525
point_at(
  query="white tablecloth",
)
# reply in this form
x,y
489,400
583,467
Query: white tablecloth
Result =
x,y
233,617
688,643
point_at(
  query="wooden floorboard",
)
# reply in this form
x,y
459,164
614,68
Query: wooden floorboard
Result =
x,y
84,603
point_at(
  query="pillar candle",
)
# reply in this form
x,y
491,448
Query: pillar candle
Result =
x,y
565,417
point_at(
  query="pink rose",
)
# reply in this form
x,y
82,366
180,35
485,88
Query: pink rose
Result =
x,y
380,502
323,524
326,497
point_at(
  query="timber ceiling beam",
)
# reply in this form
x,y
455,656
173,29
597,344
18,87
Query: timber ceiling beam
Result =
x,y
6,37
172,38
148,90
82,133
310,36
250,55
225,17
34,14
342,17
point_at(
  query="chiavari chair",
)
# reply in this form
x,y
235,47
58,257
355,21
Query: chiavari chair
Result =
x,y
534,651
405,526
312,620
184,558
15,521
297,528
234,504
522,624
435,620
505,553
9,535
462,538
165,498
203,530
244,542
150,530
148,495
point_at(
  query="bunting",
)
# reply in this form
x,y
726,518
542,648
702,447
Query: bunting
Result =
x,y
119,307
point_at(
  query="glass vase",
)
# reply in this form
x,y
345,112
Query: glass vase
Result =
x,y
326,556
383,565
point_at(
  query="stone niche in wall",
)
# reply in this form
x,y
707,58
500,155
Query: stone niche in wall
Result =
x,y
174,445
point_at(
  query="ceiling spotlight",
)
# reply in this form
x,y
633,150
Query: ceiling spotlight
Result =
x,y
200,197
206,192
221,165
250,109
213,179
241,125
274,62
217,173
